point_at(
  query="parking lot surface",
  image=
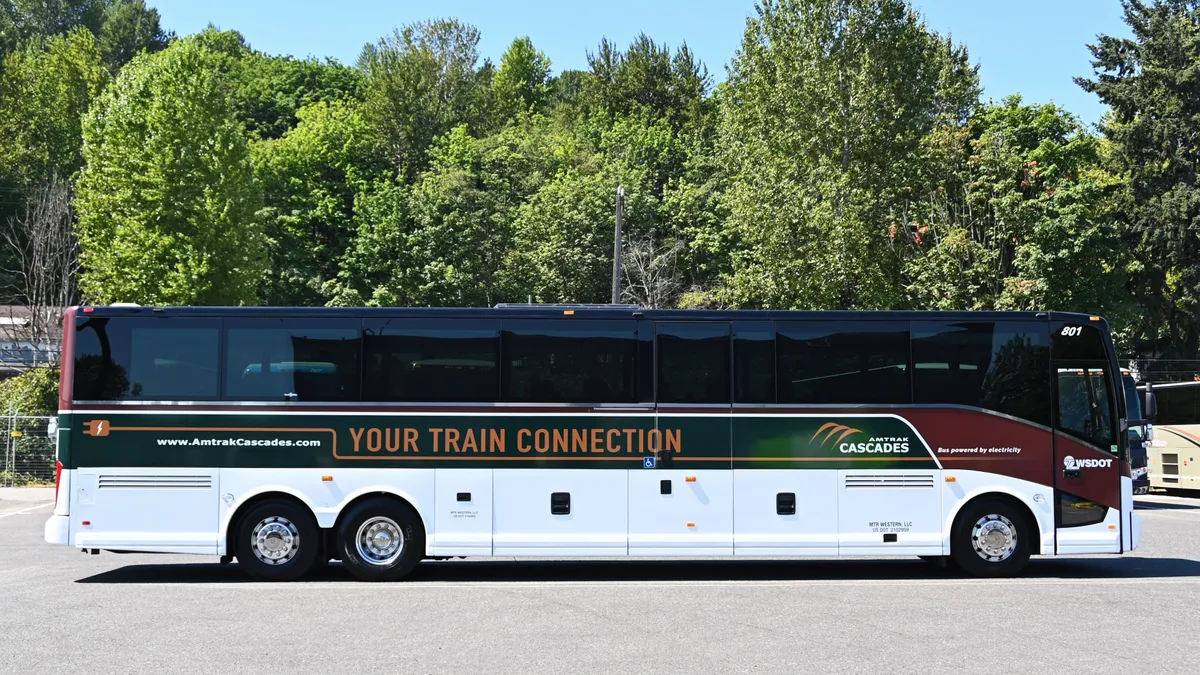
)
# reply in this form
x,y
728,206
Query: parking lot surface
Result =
x,y
65,612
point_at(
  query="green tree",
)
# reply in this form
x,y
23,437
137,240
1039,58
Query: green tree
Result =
x,y
310,178
420,82
22,20
563,234
1148,81
449,238
826,105
522,83
646,81
44,90
129,27
271,90
1015,215
167,197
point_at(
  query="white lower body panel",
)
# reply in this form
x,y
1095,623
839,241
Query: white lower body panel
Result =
x,y
507,512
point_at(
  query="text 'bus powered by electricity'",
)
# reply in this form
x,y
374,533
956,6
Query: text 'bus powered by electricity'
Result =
x,y
379,437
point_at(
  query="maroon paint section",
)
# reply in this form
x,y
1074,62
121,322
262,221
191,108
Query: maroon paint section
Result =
x,y
66,371
975,440
1098,484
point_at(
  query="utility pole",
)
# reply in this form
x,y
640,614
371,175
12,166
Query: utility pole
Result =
x,y
616,279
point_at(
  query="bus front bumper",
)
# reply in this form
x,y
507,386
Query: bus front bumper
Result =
x,y
58,530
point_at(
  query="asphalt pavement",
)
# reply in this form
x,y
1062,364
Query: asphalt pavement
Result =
x,y
62,611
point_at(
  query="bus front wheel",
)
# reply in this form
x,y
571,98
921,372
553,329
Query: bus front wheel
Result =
x,y
991,538
381,539
278,541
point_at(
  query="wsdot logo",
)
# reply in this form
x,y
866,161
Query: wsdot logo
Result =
x,y
1070,462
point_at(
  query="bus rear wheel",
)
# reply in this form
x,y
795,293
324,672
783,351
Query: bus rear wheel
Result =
x,y
991,538
277,540
381,539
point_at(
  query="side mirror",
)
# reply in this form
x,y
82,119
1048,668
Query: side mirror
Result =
x,y
1151,406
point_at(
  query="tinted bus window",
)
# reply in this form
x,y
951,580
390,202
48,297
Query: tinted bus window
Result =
x,y
1178,404
843,362
569,361
1001,366
142,359
291,359
753,363
693,363
433,361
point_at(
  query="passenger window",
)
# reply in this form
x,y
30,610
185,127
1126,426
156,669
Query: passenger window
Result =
x,y
843,362
753,363
573,361
292,359
1085,406
1000,366
452,361
693,363
167,359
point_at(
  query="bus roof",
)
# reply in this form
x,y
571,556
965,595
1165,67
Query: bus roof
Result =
x,y
581,311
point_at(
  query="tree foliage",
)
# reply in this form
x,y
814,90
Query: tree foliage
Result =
x,y
421,81
167,182
129,28
310,178
827,103
44,90
1149,81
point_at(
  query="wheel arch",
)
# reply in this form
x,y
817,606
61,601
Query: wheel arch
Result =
x,y
233,521
1016,501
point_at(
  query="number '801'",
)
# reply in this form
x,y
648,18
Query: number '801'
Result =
x,y
1072,331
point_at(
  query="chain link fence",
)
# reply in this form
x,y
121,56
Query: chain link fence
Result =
x,y
29,451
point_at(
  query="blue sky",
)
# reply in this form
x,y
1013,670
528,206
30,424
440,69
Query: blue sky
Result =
x,y
1027,46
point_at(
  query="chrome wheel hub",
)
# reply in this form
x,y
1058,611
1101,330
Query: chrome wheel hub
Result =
x,y
379,541
275,540
994,538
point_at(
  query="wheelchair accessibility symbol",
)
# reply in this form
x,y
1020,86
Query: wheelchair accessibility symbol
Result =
x,y
647,462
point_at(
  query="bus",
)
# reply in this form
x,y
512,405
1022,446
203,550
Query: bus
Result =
x,y
1176,445
975,439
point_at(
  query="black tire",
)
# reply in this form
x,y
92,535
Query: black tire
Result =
x,y
962,539
387,567
306,540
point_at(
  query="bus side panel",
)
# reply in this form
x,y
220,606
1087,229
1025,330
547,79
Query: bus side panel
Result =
x,y
763,523
560,512
1173,456
889,512
463,513
146,509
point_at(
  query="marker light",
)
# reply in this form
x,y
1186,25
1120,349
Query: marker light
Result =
x,y
568,312
690,479
326,478
950,479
